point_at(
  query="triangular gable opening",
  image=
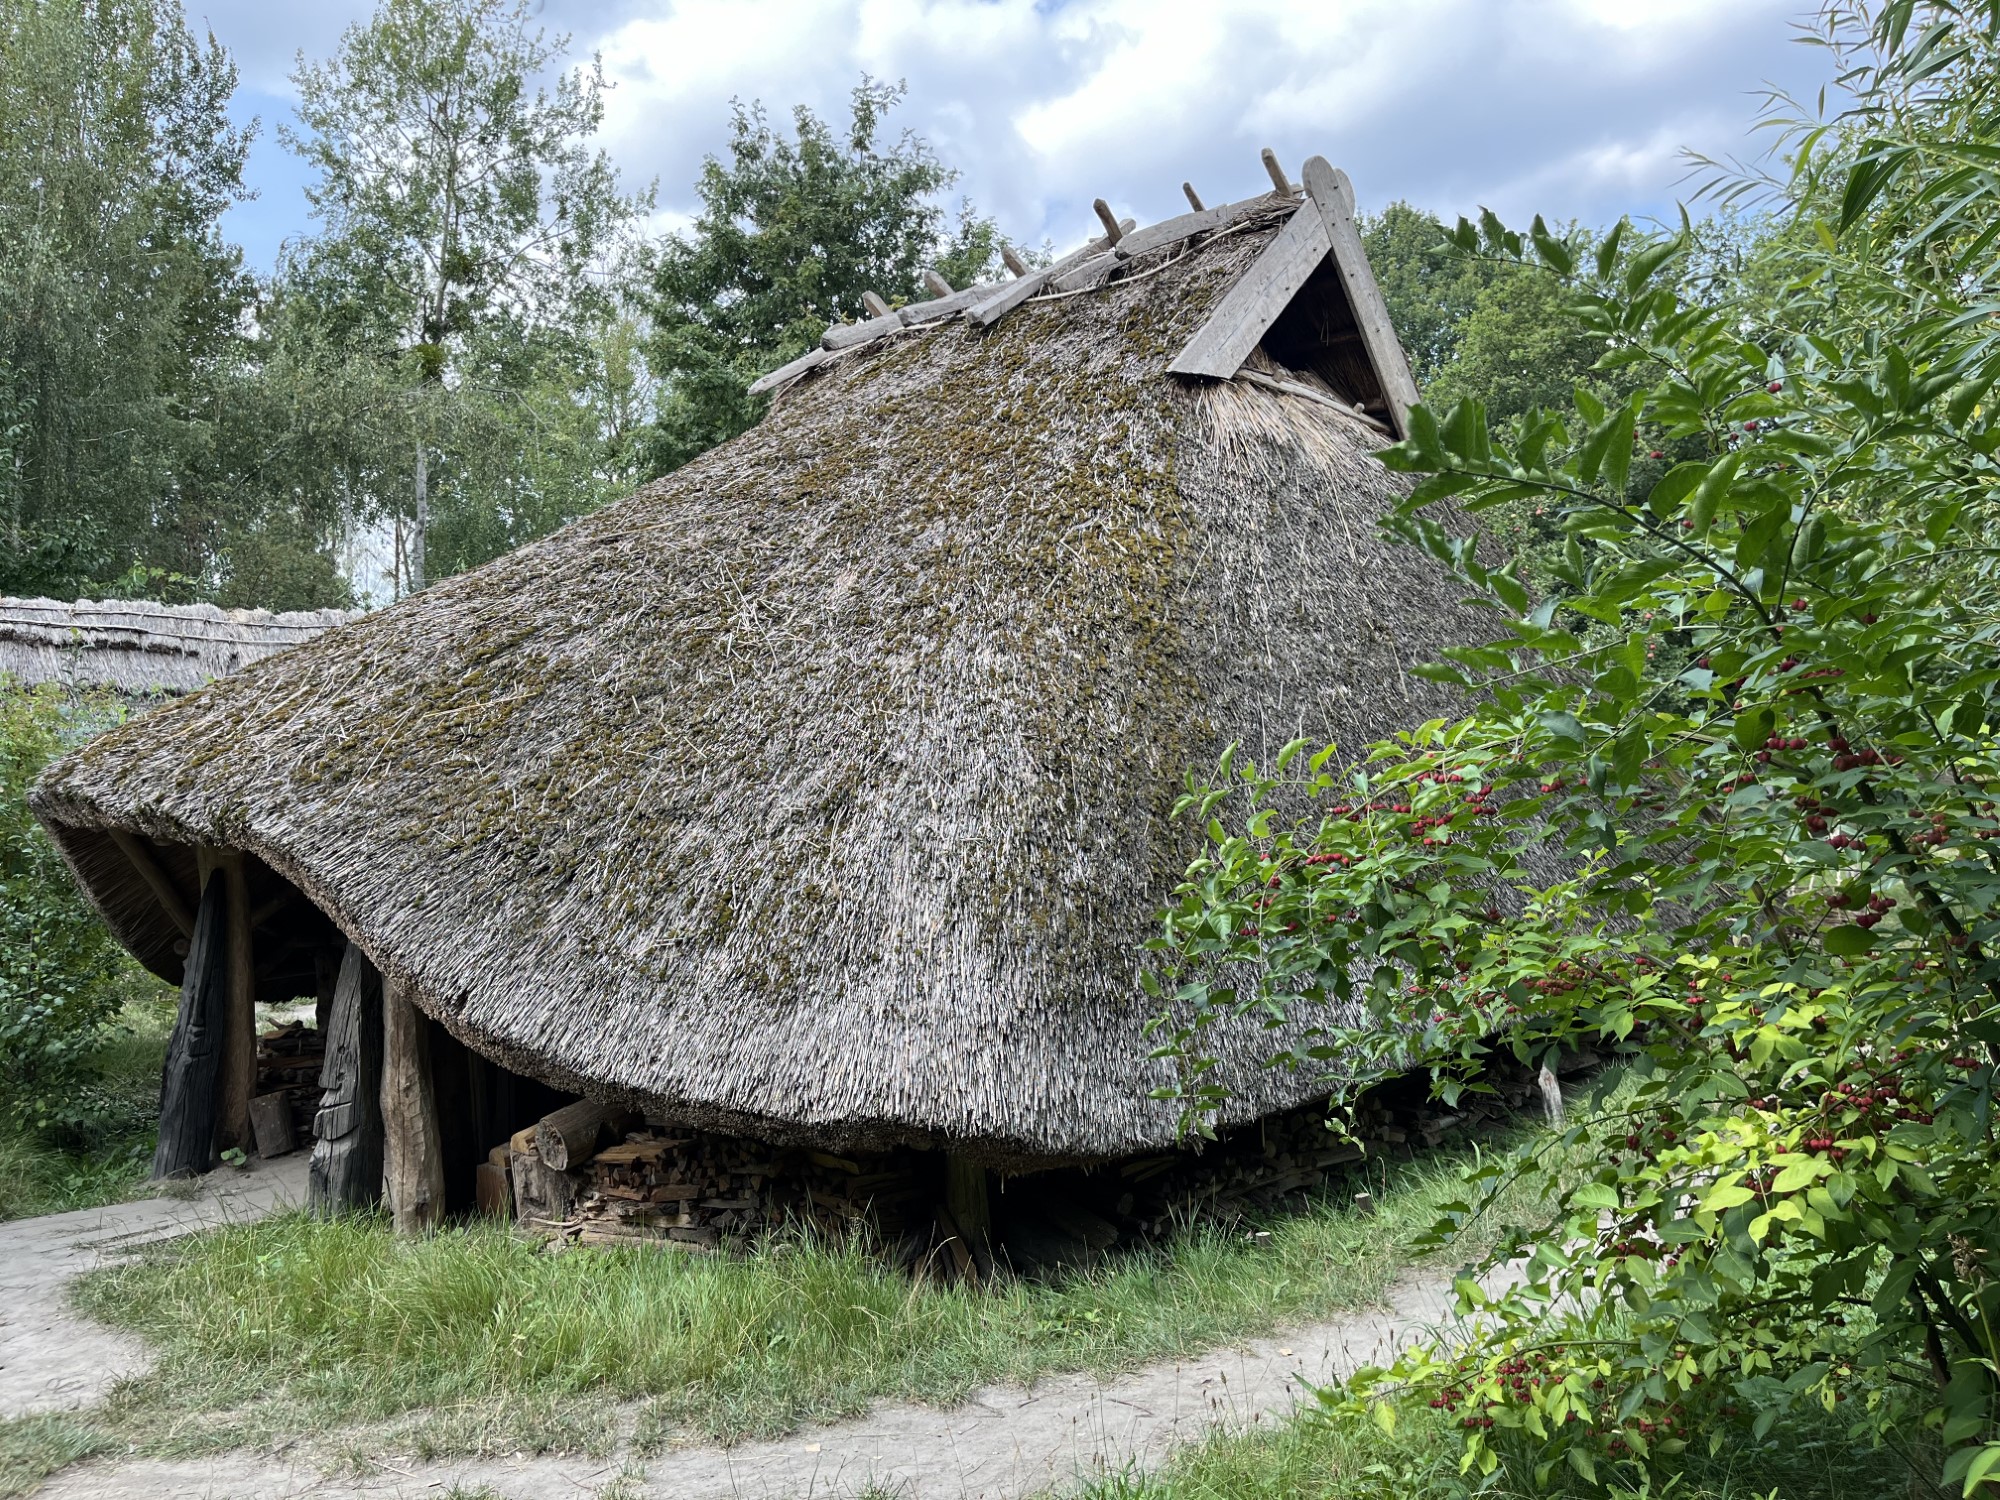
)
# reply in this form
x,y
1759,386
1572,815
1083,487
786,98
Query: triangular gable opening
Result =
x,y
1310,303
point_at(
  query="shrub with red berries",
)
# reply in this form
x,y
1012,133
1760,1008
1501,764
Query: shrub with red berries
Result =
x,y
1764,878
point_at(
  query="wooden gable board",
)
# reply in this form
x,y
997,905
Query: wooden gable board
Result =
x,y
1329,190
1220,346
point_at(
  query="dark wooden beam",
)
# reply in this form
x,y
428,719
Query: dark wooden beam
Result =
x,y
237,1081
347,1132
194,1052
164,890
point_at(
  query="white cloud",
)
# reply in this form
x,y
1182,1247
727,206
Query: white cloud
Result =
x,y
1576,108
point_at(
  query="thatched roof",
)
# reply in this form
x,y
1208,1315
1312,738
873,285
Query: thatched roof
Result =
x,y
136,647
821,789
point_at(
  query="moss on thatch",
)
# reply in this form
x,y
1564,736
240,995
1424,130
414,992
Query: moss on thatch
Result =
x,y
821,789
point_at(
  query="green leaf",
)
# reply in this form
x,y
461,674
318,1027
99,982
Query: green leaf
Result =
x,y
1675,486
1708,494
1724,1196
1563,726
1752,728
1847,940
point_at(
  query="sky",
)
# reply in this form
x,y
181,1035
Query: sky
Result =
x,y
1577,109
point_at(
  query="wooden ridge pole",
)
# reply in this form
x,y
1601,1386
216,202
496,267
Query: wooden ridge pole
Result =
x,y
412,1149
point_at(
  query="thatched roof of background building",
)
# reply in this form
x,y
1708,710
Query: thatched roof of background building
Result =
x,y
137,648
821,789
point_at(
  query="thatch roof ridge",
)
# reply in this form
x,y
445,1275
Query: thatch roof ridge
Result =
x,y
139,646
821,788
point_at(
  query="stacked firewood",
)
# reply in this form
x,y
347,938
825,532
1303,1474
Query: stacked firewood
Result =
x,y
594,1176
288,1062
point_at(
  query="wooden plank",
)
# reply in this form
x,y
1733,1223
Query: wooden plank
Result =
x,y
237,1082
1333,195
1011,296
412,1154
790,371
1087,274
271,1121
346,1170
1248,310
164,890
1187,226
194,1052
847,335
940,307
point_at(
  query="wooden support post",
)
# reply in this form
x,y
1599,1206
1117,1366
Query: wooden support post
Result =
x,y
194,1052
1193,198
939,287
877,307
238,1078
164,890
347,1146
413,1158
326,975
1279,180
965,1196
1012,259
1113,230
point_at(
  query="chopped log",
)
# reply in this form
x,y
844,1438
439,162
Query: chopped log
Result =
x,y
1193,198
523,1139
492,1192
1012,259
1250,307
877,307
164,890
1113,230
938,285
346,1171
413,1159
568,1138
788,372
237,1078
271,1122
194,1052
1333,195
1279,180
542,1195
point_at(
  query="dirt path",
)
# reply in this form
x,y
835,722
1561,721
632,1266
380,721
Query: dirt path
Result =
x,y
52,1360
1005,1442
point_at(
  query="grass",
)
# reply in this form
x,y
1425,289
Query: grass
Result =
x,y
477,1341
1419,1461
109,1164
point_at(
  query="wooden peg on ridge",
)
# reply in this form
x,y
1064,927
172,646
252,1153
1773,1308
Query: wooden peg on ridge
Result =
x,y
938,285
1013,261
1113,232
874,304
1278,178
1193,198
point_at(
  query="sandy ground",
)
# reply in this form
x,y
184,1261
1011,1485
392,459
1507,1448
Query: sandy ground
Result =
x,y
1005,1442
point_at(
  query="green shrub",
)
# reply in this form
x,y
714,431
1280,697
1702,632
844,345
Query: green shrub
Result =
x,y
63,980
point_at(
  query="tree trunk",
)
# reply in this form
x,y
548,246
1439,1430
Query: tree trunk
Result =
x,y
239,1035
414,1172
415,549
194,1052
347,1146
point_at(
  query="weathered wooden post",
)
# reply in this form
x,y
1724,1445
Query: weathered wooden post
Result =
x,y
347,1132
194,1052
413,1151
239,1031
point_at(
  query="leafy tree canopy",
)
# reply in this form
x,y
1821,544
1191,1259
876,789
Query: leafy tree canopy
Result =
x,y
792,230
